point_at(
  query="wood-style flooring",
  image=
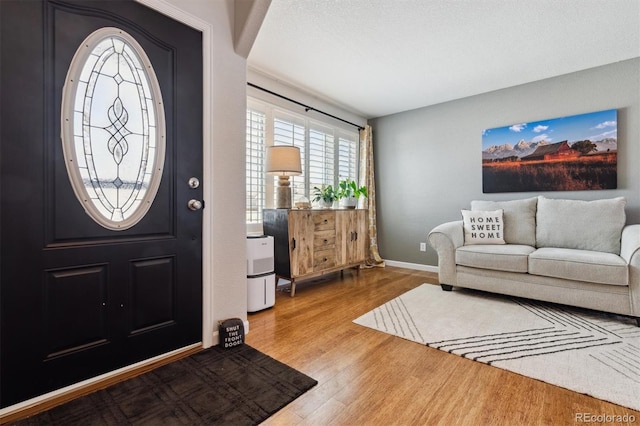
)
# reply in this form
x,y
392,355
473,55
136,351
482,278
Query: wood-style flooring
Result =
x,y
370,378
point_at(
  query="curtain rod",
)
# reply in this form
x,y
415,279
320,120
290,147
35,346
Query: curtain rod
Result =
x,y
307,108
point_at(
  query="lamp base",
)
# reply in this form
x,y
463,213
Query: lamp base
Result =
x,y
283,197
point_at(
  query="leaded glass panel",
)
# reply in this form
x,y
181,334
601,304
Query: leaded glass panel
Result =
x,y
113,132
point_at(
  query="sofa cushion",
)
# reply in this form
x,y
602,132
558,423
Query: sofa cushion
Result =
x,y
519,218
508,257
580,265
483,227
584,225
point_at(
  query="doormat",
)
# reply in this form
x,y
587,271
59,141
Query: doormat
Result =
x,y
590,352
238,386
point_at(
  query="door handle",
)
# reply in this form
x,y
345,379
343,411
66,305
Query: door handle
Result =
x,y
195,204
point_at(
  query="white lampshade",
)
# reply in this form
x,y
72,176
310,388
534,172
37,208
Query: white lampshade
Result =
x,y
283,160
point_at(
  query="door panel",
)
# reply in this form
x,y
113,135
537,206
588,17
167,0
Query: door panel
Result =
x,y
153,288
78,299
77,290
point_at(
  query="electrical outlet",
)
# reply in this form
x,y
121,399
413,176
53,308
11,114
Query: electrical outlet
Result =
x,y
423,246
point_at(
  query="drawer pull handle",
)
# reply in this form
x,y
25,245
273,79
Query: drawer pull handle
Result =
x,y
293,244
326,221
324,259
326,241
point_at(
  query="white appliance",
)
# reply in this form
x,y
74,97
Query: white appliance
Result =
x,y
261,277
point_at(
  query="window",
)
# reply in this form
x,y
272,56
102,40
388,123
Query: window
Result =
x,y
256,131
290,130
328,154
113,132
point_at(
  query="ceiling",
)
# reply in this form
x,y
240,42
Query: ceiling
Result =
x,y
379,57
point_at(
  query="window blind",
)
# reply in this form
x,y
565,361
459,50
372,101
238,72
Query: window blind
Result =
x,y
255,155
322,159
348,156
290,130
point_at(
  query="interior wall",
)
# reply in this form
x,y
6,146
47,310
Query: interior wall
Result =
x,y
429,161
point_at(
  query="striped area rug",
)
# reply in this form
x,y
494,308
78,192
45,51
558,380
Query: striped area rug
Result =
x,y
589,352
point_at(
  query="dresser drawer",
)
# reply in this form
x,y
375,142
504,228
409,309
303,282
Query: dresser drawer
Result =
x,y
323,221
324,239
323,259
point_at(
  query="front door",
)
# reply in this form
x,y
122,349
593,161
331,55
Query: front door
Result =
x,y
100,164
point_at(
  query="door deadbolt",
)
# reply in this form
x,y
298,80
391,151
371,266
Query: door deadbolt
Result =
x,y
194,183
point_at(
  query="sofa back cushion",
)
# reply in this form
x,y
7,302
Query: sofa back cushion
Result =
x,y
585,225
519,218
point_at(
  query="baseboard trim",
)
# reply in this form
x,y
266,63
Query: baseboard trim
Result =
x,y
407,265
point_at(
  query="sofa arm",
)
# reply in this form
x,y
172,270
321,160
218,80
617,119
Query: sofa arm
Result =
x,y
445,239
630,251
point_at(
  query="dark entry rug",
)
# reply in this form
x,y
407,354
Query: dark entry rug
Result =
x,y
237,386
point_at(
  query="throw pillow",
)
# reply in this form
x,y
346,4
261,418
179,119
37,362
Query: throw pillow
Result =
x,y
519,218
584,225
483,227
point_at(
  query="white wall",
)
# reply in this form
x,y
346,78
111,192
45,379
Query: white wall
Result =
x,y
428,161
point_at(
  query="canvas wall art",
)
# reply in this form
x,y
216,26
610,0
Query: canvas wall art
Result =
x,y
573,153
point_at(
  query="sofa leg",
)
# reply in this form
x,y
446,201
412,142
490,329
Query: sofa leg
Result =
x,y
447,287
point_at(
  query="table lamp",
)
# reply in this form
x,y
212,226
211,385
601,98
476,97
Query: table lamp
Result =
x,y
283,161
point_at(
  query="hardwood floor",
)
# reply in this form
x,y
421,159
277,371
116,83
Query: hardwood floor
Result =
x,y
370,378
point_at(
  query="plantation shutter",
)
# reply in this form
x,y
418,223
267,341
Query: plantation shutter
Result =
x,y
322,162
328,154
290,130
255,154
348,156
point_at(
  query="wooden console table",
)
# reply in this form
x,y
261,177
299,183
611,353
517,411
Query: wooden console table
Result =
x,y
309,243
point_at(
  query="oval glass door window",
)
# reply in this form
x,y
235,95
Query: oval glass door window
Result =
x,y
113,128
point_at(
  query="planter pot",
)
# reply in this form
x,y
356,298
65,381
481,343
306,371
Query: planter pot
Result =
x,y
325,204
349,202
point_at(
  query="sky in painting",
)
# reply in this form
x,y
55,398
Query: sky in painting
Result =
x,y
594,126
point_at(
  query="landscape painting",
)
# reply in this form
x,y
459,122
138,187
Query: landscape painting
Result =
x,y
574,153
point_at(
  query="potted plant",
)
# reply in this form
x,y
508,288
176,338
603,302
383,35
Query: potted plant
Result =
x,y
349,192
325,195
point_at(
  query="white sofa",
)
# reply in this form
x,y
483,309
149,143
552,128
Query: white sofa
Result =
x,y
572,252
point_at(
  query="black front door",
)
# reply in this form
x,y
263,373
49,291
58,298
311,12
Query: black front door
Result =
x,y
79,298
